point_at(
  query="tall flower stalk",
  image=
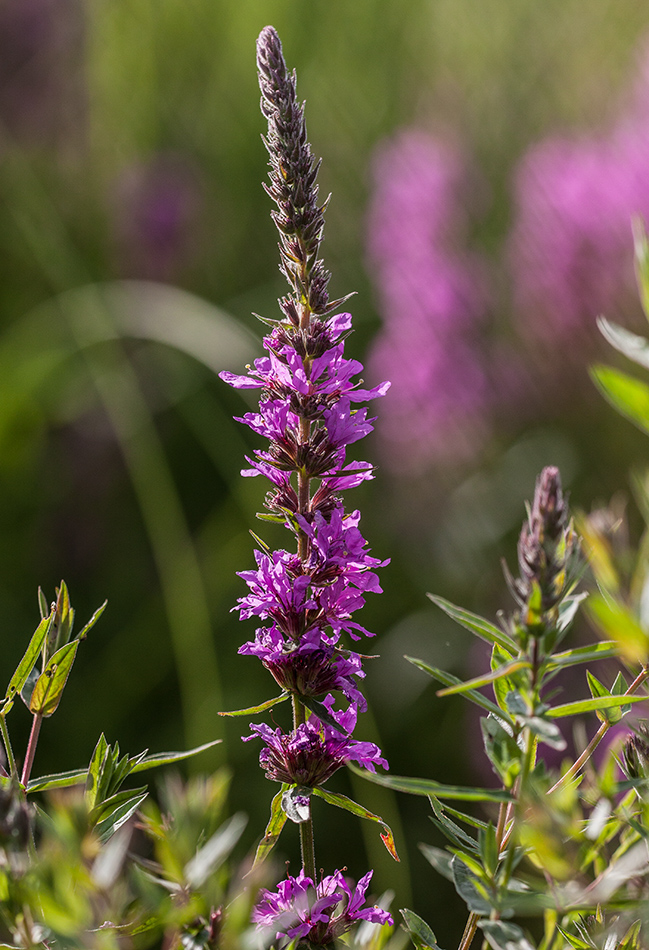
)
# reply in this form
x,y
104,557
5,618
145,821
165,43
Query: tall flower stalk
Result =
x,y
306,597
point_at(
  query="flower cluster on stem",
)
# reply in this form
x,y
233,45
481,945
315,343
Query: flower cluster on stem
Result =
x,y
306,597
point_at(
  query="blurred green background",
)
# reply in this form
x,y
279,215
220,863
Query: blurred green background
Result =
x,y
135,242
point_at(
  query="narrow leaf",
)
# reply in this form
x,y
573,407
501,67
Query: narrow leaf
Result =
x,y
252,710
273,828
439,859
503,671
111,824
449,680
51,683
596,651
421,934
630,396
166,758
57,780
635,347
424,786
592,705
93,620
94,770
26,665
320,710
476,624
341,801
212,855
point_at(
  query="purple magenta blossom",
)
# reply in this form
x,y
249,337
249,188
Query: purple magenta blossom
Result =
x,y
310,668
311,753
432,302
316,913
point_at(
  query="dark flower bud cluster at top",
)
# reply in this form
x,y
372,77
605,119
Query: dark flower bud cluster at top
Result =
x,y
548,552
305,598
636,753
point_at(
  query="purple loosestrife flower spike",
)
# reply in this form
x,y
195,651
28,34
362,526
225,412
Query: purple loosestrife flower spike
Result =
x,y
308,413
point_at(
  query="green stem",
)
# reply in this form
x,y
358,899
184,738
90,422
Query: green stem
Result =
x,y
307,845
11,762
579,763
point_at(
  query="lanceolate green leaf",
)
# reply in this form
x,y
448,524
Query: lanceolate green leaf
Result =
x,y
167,758
252,710
26,665
423,786
592,705
79,776
476,624
93,620
596,651
57,780
109,825
51,683
449,680
630,396
273,828
341,801
503,671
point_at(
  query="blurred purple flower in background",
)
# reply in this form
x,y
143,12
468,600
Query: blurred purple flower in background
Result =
x,y
571,247
432,300
156,217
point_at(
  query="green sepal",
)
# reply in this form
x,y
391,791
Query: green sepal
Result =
x,y
252,710
424,786
593,705
26,665
420,933
474,623
341,801
274,827
51,683
449,680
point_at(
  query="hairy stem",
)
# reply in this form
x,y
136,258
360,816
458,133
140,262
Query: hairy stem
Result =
x,y
579,763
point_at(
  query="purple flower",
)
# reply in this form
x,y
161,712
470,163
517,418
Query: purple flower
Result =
x,y
309,755
571,246
432,301
318,913
311,668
